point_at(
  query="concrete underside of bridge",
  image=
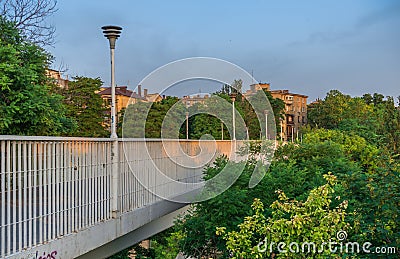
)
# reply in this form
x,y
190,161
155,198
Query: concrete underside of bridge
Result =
x,y
109,237
135,236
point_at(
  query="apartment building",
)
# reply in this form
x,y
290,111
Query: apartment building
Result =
x,y
124,96
295,109
295,113
58,78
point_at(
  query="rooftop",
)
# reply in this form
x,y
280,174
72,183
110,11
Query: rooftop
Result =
x,y
121,90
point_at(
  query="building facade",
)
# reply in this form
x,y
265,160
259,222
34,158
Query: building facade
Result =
x,y
124,96
295,113
190,100
57,77
295,110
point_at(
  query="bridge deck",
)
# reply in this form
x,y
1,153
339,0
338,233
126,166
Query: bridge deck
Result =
x,y
54,189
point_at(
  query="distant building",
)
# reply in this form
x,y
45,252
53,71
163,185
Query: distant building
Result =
x,y
295,109
153,97
295,112
123,97
190,100
58,79
260,86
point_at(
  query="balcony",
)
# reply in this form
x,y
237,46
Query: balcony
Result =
x,y
289,119
289,99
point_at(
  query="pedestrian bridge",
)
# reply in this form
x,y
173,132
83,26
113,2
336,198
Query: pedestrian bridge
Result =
x,y
90,198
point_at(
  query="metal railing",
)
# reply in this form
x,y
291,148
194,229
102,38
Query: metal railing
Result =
x,y
53,186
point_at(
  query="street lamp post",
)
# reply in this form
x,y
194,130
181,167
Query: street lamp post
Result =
x,y
222,130
112,33
266,124
187,125
233,98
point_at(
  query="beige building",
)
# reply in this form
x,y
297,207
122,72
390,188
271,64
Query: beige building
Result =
x,y
256,87
58,79
124,96
295,109
295,113
190,100
153,97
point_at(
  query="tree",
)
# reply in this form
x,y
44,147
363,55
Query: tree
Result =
x,y
29,16
27,106
228,209
371,117
85,106
328,113
208,116
367,98
256,105
237,86
203,124
366,177
214,112
293,223
146,119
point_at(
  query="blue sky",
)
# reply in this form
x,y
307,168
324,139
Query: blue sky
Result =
x,y
308,47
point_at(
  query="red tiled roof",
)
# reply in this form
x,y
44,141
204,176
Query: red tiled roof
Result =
x,y
286,92
121,90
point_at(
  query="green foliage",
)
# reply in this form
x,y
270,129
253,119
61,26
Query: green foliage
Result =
x,y
124,254
27,105
229,208
252,111
131,123
366,177
165,245
85,106
138,125
312,221
370,117
209,122
354,147
205,119
198,226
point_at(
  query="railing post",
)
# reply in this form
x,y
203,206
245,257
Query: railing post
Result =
x,y
114,177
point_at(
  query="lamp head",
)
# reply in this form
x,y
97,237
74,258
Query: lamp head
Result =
x,y
112,33
233,96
